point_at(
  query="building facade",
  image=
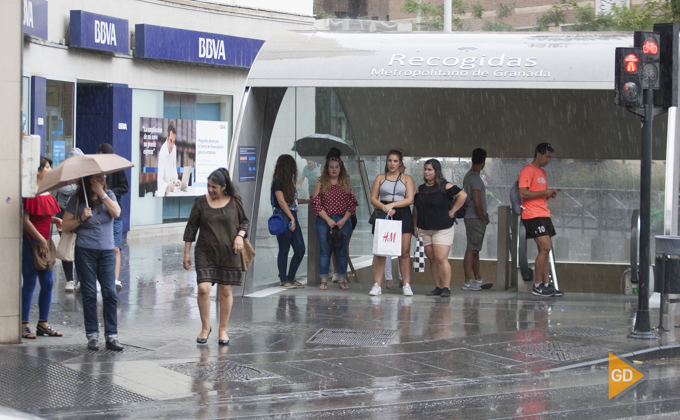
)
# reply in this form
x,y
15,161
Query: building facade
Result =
x,y
87,73
92,71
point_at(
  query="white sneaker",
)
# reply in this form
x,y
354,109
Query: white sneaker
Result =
x,y
70,286
483,283
407,290
335,278
375,290
77,287
119,286
471,285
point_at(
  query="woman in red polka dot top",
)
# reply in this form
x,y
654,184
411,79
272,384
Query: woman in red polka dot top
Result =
x,y
334,203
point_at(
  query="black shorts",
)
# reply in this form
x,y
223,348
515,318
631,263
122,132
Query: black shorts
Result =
x,y
403,214
539,226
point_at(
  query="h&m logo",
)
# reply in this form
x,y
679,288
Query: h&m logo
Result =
x,y
211,48
105,33
28,13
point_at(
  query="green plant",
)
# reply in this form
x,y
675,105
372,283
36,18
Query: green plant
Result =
x,y
503,11
433,15
324,15
554,16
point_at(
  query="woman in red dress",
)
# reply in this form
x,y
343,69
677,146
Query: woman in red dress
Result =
x,y
39,214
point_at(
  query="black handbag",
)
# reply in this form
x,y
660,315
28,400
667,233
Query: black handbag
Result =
x,y
379,213
335,237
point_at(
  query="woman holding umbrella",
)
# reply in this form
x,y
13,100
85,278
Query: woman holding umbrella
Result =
x,y
39,214
90,213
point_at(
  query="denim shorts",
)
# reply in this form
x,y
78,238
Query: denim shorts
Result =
x,y
118,233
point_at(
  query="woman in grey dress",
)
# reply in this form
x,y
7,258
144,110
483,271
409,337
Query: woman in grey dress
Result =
x,y
222,222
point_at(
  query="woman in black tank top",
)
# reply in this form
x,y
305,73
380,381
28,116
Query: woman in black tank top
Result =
x,y
433,216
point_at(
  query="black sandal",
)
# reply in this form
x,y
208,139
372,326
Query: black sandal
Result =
x,y
26,331
41,331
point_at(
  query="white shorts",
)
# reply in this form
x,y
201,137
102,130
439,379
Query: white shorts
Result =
x,y
437,237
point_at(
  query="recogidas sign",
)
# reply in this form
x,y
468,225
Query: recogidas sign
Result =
x,y
461,66
439,60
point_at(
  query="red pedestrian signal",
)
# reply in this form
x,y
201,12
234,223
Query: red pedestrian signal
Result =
x,y
628,77
631,63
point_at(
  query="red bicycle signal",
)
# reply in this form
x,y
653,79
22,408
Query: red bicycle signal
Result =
x,y
650,48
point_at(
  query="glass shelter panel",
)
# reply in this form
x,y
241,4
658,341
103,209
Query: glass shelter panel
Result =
x,y
591,214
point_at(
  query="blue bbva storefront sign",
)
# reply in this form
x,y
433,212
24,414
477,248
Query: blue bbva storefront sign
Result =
x,y
162,43
99,32
35,18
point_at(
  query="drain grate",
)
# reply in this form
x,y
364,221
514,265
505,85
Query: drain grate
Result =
x,y
348,337
220,371
586,331
29,382
82,349
610,325
557,350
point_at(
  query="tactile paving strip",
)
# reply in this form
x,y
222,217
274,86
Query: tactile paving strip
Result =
x,y
557,350
29,382
586,331
82,349
349,337
220,371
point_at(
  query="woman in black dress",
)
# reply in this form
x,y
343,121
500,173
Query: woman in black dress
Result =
x,y
223,225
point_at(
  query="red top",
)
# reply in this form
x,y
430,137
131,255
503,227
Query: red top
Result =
x,y
334,201
41,209
534,179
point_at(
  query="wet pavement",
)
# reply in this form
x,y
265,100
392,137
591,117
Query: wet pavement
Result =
x,y
307,353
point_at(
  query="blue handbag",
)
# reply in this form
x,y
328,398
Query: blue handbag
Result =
x,y
277,222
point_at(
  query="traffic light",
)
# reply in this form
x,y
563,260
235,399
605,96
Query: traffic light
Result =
x,y
651,54
667,95
628,77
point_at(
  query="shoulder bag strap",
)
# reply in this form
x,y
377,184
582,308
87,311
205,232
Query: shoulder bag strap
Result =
x,y
394,190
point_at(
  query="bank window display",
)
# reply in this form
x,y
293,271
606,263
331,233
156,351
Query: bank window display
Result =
x,y
185,106
59,120
182,138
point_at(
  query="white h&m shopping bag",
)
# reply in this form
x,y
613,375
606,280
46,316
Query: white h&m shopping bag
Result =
x,y
387,238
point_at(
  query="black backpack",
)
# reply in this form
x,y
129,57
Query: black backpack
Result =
x,y
460,213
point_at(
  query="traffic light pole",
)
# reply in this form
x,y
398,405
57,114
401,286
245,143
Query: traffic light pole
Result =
x,y
643,328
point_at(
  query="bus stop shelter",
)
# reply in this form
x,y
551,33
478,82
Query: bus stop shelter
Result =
x,y
444,94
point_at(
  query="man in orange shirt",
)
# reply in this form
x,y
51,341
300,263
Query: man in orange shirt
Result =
x,y
534,192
